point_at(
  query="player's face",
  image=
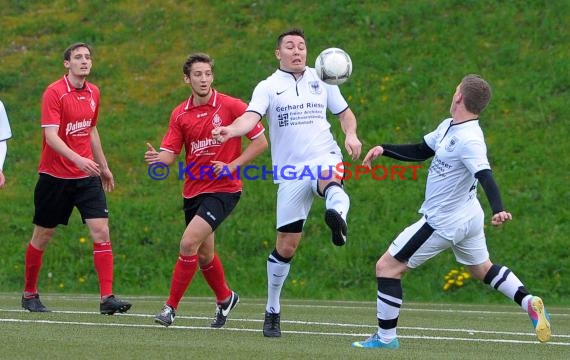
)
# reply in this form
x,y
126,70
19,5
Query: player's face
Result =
x,y
456,99
200,79
292,54
79,63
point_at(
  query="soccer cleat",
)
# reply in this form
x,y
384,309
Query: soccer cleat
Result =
x,y
540,319
337,225
33,304
374,342
223,311
166,316
272,325
112,305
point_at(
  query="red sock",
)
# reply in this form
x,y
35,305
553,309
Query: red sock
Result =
x,y
215,277
103,261
182,276
33,265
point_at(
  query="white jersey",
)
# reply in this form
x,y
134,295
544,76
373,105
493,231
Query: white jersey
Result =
x,y
5,132
296,112
451,189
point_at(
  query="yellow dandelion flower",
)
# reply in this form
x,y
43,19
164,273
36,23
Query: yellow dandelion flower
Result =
x,y
459,283
82,240
81,279
61,285
446,287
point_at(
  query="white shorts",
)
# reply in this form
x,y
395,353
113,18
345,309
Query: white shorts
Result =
x,y
468,245
295,197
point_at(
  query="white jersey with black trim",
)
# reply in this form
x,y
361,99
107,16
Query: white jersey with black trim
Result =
x,y
5,131
296,112
451,188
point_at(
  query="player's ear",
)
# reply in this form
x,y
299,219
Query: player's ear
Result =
x,y
277,54
186,79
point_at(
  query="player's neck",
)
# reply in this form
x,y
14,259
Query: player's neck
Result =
x,y
198,99
76,81
463,116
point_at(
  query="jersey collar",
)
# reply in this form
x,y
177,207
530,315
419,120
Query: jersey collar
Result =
x,y
70,87
212,102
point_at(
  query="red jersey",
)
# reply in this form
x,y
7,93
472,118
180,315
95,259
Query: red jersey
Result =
x,y
75,111
192,127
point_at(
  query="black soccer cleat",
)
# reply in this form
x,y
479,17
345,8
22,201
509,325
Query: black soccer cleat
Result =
x,y
337,225
272,325
223,311
33,304
112,305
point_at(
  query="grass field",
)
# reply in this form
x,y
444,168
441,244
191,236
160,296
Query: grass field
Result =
x,y
311,330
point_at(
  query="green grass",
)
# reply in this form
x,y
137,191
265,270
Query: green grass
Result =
x,y
408,57
311,330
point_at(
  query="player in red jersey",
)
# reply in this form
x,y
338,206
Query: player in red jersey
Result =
x,y
73,172
212,187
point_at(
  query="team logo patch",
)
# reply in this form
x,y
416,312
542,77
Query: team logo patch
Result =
x,y
451,144
315,87
216,121
93,105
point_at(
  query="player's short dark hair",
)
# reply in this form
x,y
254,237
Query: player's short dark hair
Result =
x,y
476,93
294,32
195,58
70,48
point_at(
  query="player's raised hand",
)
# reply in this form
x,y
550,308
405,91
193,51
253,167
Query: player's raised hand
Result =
x,y
500,218
151,155
372,155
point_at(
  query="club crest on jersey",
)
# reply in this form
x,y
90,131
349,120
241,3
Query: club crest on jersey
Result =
x,y
92,104
451,144
314,87
216,121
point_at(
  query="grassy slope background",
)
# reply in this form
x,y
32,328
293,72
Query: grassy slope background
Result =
x,y
408,57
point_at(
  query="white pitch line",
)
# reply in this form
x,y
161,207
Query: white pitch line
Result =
x,y
181,327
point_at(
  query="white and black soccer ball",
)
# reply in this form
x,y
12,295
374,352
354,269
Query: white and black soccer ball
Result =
x,y
333,66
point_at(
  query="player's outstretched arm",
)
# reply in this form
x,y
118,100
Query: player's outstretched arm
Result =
x,y
241,126
257,146
372,154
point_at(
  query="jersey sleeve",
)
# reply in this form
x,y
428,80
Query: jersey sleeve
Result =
x,y
5,131
51,108
257,130
475,156
336,103
260,99
173,139
432,138
96,99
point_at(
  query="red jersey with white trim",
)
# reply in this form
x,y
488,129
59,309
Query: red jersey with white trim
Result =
x,y
191,126
75,112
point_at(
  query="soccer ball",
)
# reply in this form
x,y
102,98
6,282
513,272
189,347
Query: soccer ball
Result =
x,y
333,66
